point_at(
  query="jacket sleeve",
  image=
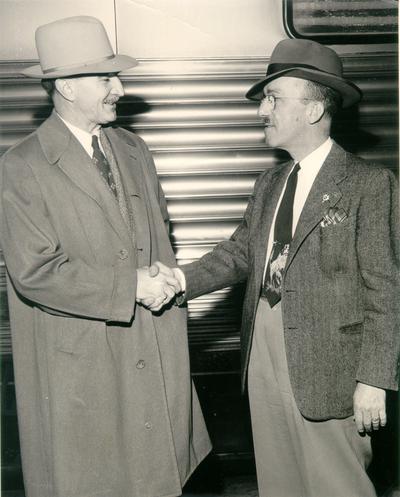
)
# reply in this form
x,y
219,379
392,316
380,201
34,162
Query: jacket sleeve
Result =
x,y
227,263
378,257
39,268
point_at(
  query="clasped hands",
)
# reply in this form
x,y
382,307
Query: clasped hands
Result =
x,y
157,285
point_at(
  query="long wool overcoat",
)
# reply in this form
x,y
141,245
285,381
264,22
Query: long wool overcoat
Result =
x,y
106,407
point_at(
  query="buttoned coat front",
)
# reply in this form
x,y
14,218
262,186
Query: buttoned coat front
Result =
x,y
106,407
340,302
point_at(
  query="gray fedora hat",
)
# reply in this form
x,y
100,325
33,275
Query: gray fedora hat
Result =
x,y
75,45
306,59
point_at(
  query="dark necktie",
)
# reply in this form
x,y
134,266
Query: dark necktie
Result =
x,y
100,161
282,238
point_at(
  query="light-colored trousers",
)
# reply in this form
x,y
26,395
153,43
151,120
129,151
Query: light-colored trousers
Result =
x,y
296,457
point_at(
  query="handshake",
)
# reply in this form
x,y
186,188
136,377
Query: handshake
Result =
x,y
157,285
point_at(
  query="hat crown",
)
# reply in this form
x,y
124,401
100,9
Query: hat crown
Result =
x,y
307,59
75,46
74,41
307,53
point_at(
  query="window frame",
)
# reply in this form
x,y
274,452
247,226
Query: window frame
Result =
x,y
329,38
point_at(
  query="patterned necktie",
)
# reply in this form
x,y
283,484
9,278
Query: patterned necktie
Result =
x,y
271,289
100,161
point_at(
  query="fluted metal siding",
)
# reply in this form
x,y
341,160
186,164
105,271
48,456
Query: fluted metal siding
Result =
x,y
208,146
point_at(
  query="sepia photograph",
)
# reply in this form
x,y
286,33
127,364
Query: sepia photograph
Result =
x,y
199,248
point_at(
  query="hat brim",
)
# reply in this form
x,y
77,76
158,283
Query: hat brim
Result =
x,y
350,93
115,64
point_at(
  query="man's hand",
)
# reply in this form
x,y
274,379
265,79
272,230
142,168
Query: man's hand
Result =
x,y
369,407
172,272
155,288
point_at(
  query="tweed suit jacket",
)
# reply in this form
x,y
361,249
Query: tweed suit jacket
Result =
x,y
340,289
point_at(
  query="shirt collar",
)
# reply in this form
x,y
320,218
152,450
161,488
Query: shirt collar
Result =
x,y
317,156
84,138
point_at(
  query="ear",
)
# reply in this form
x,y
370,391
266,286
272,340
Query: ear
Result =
x,y
66,88
315,111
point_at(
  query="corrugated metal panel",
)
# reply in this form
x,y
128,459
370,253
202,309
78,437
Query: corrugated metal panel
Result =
x,y
208,145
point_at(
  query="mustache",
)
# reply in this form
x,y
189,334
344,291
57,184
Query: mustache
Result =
x,y
111,100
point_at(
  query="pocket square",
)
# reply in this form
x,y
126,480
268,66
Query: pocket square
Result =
x,y
333,216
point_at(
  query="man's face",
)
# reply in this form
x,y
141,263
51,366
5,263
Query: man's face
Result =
x,y
285,124
95,99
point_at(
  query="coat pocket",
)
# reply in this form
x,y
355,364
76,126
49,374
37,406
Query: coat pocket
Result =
x,y
337,246
74,335
347,292
352,329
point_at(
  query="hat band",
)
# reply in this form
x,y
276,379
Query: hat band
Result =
x,y
277,67
72,66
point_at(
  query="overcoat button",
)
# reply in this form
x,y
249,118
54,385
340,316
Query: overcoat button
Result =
x,y
147,425
123,254
140,364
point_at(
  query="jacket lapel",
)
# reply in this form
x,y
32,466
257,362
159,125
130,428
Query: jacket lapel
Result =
x,y
324,193
62,149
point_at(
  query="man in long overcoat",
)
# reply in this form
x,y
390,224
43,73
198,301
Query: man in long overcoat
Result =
x,y
319,248
106,407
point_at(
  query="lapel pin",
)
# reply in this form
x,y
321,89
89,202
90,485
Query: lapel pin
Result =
x,y
325,197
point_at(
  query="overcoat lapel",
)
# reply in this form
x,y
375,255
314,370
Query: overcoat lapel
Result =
x,y
127,157
324,193
63,150
132,168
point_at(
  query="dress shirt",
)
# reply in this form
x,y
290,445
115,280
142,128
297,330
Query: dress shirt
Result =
x,y
83,137
309,168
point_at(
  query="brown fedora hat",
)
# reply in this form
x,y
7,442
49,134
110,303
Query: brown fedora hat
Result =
x,y
75,45
306,59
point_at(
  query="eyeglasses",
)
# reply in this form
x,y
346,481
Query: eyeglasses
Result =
x,y
271,100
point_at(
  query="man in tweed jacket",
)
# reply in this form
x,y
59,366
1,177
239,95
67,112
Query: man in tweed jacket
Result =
x,y
319,358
